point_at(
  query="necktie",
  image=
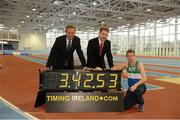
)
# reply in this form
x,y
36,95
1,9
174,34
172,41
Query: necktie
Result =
x,y
69,44
101,48
68,47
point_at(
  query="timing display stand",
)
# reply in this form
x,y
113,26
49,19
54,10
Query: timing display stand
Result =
x,y
78,91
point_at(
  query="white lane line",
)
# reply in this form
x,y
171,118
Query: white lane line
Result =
x,y
18,110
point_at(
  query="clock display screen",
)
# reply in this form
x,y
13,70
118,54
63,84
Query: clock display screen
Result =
x,y
70,80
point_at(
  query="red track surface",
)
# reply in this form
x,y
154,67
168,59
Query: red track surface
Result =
x,y
19,85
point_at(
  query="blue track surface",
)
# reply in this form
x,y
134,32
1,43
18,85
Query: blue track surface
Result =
x,y
8,113
36,60
162,68
156,74
167,62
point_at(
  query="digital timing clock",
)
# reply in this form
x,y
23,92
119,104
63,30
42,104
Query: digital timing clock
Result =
x,y
70,80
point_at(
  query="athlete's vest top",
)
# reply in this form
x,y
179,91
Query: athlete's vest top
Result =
x,y
133,74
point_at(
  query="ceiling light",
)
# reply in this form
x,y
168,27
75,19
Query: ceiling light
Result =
x,y
74,13
22,22
62,19
27,16
81,4
56,2
1,24
2,27
120,17
102,22
3,42
148,10
34,9
94,3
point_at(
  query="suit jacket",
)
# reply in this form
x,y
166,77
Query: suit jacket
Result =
x,y
93,55
59,54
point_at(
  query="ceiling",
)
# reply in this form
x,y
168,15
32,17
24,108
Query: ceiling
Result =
x,y
42,15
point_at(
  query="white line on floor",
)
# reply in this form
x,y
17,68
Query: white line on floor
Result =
x,y
18,110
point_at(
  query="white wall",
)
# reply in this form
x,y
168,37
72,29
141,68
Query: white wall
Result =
x,y
35,41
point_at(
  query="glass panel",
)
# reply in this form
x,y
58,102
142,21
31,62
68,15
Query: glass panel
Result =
x,y
159,31
165,38
172,21
171,29
178,38
178,28
171,38
178,19
165,30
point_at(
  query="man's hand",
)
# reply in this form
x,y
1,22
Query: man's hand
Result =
x,y
87,69
116,67
45,69
98,68
113,68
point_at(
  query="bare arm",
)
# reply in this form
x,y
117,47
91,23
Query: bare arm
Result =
x,y
124,71
143,74
121,66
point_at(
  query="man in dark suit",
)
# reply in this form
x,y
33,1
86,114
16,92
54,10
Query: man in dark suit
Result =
x,y
61,55
97,48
